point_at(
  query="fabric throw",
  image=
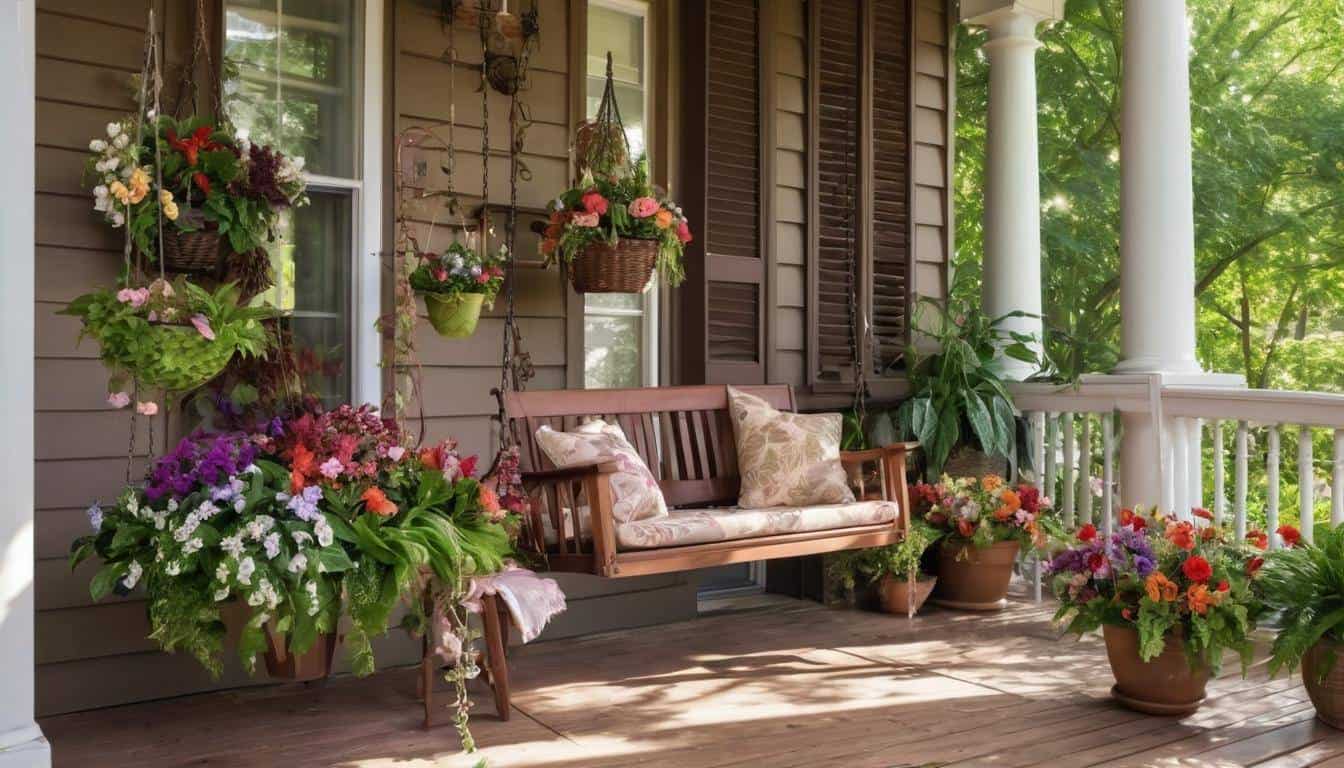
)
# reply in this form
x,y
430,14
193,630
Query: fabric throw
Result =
x,y
635,494
532,600
786,459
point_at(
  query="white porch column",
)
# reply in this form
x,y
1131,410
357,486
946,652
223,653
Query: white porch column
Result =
x,y
21,742
1012,259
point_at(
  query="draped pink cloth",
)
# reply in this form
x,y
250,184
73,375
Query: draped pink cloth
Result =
x,y
532,600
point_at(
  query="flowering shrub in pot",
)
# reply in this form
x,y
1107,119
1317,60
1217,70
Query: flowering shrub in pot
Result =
x,y
613,230
890,569
1304,585
1170,597
986,523
455,284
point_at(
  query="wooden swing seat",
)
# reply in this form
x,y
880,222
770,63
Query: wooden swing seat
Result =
x,y
685,436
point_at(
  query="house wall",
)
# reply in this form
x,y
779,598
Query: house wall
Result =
x,y
91,655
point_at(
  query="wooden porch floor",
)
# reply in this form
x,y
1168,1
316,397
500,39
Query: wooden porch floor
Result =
x,y
791,684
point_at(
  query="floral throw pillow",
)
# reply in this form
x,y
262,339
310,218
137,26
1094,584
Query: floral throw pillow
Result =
x,y
786,459
635,494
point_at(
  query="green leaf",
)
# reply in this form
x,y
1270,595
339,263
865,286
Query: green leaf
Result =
x,y
105,579
981,422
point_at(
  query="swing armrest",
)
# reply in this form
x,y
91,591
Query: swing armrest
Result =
x,y
554,496
891,459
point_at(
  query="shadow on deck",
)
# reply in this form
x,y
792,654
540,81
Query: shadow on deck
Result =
x,y
790,684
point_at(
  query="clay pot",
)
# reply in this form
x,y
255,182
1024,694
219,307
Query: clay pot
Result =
x,y
312,664
1328,694
898,594
1167,685
972,579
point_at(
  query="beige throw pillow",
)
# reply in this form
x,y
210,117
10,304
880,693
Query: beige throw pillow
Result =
x,y
786,459
635,494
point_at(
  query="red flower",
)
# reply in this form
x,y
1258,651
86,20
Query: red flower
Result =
x,y
1128,614
201,181
1197,568
1291,536
1223,586
1139,523
594,202
1135,522
1253,565
1096,561
377,502
965,528
1202,512
1087,532
468,466
1181,534
193,145
1258,539
683,231
1030,498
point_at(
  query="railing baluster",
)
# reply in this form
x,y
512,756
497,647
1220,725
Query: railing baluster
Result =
x,y
1306,491
1219,481
1107,472
1272,490
1180,469
1195,455
1051,445
1070,509
1239,474
1337,482
1085,470
1037,421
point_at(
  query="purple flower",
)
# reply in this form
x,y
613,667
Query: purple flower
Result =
x,y
202,324
200,460
1144,565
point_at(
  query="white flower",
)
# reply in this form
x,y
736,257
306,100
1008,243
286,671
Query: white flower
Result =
x,y
252,469
188,527
222,572
239,505
255,599
133,572
111,163
96,517
272,545
117,219
172,505
121,141
325,536
246,567
193,546
299,563
311,589
97,145
101,204
301,537
113,130
160,520
206,510
221,594
173,567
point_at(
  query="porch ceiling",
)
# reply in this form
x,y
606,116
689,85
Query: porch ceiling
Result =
x,y
793,684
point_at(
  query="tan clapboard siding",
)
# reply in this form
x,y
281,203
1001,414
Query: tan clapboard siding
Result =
x,y
789,316
930,206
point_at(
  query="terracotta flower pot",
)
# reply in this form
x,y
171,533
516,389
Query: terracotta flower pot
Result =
x,y
974,579
1164,686
312,664
899,594
1328,694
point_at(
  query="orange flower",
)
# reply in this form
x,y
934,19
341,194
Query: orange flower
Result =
x,y
1199,599
1003,513
663,219
489,500
1011,500
303,461
1258,539
296,482
1202,512
1181,534
377,502
1208,533
1160,589
990,482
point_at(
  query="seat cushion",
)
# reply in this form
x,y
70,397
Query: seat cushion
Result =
x,y
635,494
786,459
683,527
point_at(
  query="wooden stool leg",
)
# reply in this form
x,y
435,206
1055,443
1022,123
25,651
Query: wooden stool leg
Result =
x,y
495,641
427,664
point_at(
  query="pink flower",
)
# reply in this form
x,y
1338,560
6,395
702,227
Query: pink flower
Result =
x,y
202,324
147,409
331,468
594,202
136,297
396,452
483,278
643,207
683,231
585,219
118,399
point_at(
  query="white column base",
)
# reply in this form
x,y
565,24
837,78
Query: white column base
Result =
x,y
25,748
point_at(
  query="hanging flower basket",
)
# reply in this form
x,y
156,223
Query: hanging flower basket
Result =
x,y
199,251
625,267
454,316
177,358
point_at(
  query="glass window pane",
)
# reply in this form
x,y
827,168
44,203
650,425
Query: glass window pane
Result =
x,y
612,352
633,301
311,264
291,78
621,33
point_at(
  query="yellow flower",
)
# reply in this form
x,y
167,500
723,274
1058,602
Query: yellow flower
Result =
x,y
165,197
120,192
170,210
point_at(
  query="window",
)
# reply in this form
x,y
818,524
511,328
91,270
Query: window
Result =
x,y
620,330
294,78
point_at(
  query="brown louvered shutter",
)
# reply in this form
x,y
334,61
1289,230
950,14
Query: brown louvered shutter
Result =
x,y
891,183
837,276
725,271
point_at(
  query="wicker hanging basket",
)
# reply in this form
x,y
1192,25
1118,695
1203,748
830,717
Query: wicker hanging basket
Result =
x,y
200,251
625,267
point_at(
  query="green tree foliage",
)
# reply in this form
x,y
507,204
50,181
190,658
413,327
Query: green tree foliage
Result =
x,y
1267,110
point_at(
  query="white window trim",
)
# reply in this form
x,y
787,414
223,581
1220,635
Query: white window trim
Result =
x,y
366,270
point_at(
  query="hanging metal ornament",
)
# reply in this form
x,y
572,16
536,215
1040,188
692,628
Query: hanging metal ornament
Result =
x,y
600,144
507,42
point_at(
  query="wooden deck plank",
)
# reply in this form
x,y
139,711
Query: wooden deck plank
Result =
x,y
792,684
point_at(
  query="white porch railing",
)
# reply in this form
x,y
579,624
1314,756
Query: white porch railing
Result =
x,y
1075,441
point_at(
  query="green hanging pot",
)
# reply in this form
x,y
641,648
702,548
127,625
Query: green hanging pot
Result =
x,y
454,317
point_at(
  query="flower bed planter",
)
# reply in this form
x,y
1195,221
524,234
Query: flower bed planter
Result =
x,y
1327,695
1167,685
972,579
454,317
898,594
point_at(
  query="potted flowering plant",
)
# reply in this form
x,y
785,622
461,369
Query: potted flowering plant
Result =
x,y
210,187
613,230
890,569
986,523
455,284
1304,584
1169,596
173,336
